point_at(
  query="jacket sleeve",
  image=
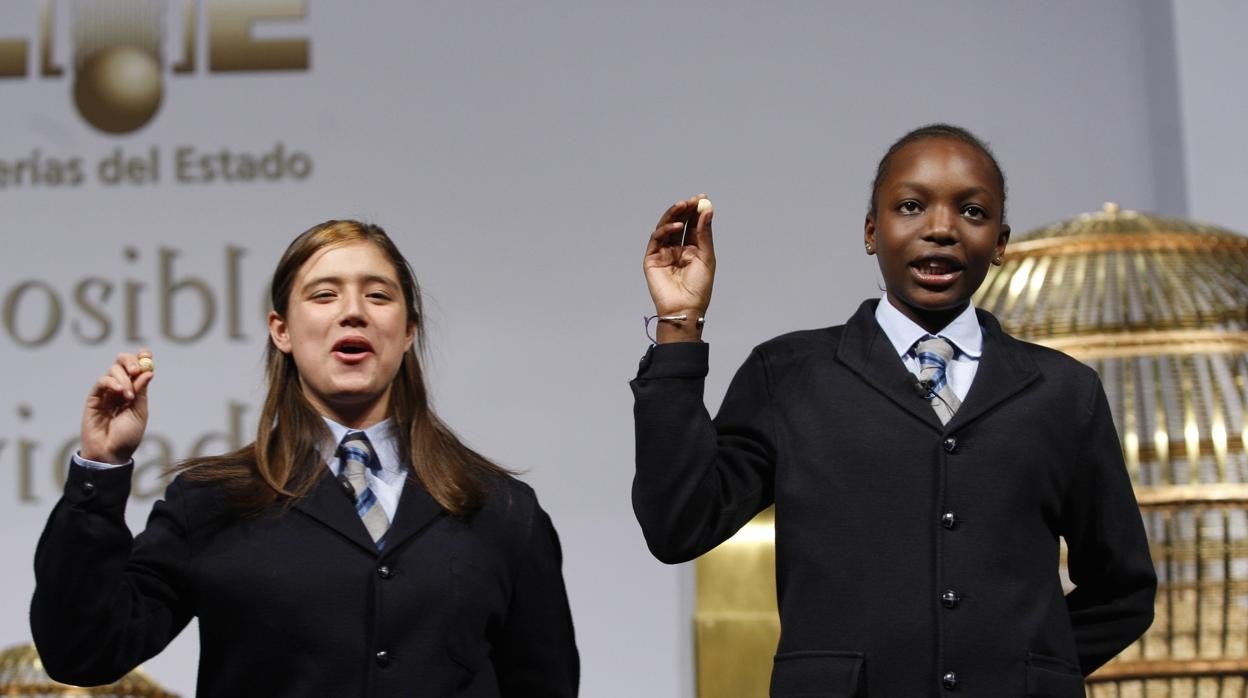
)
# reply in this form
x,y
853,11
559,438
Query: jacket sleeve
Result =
x,y
699,480
105,602
536,655
1109,559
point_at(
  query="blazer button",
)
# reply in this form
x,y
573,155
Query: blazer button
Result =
x,y
950,598
385,572
383,659
87,487
949,680
950,444
949,520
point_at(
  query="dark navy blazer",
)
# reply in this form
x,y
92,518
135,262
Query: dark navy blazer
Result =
x,y
912,558
298,601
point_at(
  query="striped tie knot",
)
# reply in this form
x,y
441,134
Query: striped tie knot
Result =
x,y
356,448
357,456
934,355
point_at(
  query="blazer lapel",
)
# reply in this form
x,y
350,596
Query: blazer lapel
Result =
x,y
328,504
865,349
1004,370
416,511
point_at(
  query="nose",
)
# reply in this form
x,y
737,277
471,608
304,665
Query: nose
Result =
x,y
352,311
941,224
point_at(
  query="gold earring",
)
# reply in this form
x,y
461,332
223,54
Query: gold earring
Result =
x,y
870,250
997,260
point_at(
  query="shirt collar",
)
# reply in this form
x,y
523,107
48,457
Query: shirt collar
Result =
x,y
380,435
964,332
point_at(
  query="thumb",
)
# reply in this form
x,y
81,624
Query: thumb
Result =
x,y
139,404
702,229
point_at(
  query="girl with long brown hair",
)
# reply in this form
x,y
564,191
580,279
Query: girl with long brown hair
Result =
x,y
356,547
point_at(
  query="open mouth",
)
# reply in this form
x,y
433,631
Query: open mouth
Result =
x,y
352,348
936,269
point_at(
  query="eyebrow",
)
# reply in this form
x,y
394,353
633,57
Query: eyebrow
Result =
x,y
338,281
962,193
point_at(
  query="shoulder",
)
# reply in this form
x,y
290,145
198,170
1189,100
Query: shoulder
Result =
x,y
509,502
197,502
1050,359
799,347
822,342
514,519
1051,363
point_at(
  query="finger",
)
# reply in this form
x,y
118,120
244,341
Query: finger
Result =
x,y
105,387
663,234
121,374
106,396
703,212
702,235
141,383
680,212
129,363
673,213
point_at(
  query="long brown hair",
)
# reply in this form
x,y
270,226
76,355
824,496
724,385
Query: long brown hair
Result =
x,y
285,461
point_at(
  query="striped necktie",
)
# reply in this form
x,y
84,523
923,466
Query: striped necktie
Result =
x,y
356,455
934,354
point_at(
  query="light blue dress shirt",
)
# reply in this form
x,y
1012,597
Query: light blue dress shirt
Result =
x,y
964,333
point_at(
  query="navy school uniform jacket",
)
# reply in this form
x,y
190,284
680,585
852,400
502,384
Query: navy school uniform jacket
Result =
x,y
912,559
299,601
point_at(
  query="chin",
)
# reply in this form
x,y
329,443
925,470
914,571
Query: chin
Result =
x,y
935,302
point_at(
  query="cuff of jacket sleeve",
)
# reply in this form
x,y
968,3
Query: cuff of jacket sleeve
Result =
x,y
98,465
98,488
675,360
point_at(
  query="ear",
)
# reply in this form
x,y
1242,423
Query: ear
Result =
x,y
411,335
279,332
1003,237
868,233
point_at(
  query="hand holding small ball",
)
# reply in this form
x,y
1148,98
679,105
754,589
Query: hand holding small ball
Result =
x,y
115,415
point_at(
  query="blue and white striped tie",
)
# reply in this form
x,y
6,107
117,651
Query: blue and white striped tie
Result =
x,y
934,354
356,455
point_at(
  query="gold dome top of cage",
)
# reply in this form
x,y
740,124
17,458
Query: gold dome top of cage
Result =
x,y
1117,271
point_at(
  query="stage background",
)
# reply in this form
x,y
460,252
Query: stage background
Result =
x,y
520,154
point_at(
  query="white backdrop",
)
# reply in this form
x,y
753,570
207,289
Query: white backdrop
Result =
x,y
520,153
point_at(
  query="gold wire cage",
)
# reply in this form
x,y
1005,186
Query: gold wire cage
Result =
x,y
22,674
1159,307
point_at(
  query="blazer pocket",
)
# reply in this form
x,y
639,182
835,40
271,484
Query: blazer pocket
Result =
x,y
819,674
477,606
1050,677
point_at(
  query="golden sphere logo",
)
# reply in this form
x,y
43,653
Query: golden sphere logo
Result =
x,y
118,50
118,89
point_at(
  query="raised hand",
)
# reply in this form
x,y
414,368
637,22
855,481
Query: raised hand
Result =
x,y
115,415
680,273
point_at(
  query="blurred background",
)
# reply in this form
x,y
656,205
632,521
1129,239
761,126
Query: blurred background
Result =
x,y
156,157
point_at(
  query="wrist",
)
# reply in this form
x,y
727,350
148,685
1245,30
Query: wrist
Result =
x,y
95,456
679,326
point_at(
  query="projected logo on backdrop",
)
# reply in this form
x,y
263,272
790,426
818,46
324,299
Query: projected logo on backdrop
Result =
x,y
118,51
